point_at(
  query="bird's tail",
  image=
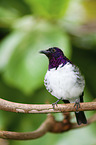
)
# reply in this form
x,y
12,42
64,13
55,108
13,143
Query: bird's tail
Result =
x,y
80,117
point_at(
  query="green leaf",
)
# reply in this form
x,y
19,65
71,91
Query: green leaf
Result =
x,y
17,7
7,47
11,10
51,9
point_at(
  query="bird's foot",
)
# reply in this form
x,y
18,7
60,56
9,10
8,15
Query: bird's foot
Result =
x,y
53,104
77,105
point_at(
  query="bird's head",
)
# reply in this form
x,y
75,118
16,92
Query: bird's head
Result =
x,y
55,56
53,52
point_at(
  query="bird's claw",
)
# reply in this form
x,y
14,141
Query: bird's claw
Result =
x,y
53,104
77,105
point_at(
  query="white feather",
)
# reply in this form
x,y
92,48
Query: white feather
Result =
x,y
65,82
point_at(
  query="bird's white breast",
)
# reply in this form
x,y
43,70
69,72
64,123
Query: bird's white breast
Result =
x,y
65,82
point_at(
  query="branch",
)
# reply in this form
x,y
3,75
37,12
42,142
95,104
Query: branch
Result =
x,y
45,127
44,108
49,125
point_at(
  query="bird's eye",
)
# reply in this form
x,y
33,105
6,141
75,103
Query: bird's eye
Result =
x,y
53,50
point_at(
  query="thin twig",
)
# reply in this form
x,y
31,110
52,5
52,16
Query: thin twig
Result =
x,y
44,108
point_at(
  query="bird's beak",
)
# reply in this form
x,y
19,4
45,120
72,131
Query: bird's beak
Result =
x,y
46,52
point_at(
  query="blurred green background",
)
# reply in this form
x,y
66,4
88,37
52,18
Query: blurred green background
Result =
x,y
27,26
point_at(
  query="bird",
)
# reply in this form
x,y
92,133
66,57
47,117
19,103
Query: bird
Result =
x,y
64,81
